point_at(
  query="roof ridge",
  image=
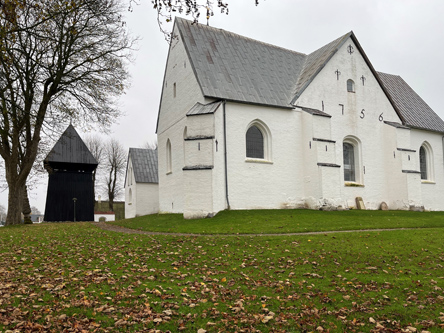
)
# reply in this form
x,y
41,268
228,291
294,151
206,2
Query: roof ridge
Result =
x,y
243,37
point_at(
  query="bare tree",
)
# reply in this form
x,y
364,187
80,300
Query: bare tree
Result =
x,y
166,9
59,61
114,167
2,213
150,145
35,210
97,148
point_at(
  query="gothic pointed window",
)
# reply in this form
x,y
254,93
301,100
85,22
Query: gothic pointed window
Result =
x,y
423,162
426,162
349,162
169,165
255,142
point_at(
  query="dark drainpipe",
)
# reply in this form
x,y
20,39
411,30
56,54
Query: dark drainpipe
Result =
x,y
225,156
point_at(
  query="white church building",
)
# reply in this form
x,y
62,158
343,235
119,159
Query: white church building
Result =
x,y
247,125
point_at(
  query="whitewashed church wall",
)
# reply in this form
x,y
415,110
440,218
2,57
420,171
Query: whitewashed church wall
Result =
x,y
273,183
396,194
321,127
403,138
199,152
180,87
200,126
433,189
311,186
198,195
219,193
171,191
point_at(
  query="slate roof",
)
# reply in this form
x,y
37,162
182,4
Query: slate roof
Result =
x,y
70,148
236,68
315,61
315,112
199,108
144,163
233,67
414,110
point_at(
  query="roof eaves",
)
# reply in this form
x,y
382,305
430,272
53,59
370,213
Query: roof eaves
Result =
x,y
425,129
290,107
397,125
127,163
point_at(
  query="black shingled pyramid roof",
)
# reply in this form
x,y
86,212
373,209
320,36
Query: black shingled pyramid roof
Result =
x,y
70,149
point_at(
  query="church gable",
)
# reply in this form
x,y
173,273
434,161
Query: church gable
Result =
x,y
348,86
180,89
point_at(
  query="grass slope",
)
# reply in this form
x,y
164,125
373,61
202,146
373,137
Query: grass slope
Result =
x,y
74,277
285,221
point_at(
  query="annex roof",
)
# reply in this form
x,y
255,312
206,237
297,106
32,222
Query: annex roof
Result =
x,y
144,162
199,108
232,67
70,148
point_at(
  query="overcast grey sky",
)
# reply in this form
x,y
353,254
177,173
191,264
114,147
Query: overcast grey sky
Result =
x,y
403,37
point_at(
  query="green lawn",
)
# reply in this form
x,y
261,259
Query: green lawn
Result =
x,y
285,221
78,277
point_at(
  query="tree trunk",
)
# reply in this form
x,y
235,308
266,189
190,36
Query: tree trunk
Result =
x,y
15,200
111,201
26,206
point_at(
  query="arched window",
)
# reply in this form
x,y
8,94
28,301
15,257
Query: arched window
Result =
x,y
169,165
426,162
350,86
351,154
423,162
255,142
258,141
349,162
130,196
130,176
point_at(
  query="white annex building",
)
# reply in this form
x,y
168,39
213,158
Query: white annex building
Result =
x,y
244,124
141,183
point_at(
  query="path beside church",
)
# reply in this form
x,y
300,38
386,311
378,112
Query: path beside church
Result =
x,y
117,228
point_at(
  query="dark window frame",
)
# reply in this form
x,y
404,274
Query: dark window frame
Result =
x,y
350,85
348,155
255,143
423,167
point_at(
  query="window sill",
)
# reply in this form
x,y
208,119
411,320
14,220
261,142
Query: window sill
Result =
x,y
257,160
169,173
427,182
353,184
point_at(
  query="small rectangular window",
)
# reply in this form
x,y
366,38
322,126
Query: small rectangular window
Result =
x,y
174,89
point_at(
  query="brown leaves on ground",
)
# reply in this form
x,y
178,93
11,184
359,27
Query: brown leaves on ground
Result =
x,y
76,278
